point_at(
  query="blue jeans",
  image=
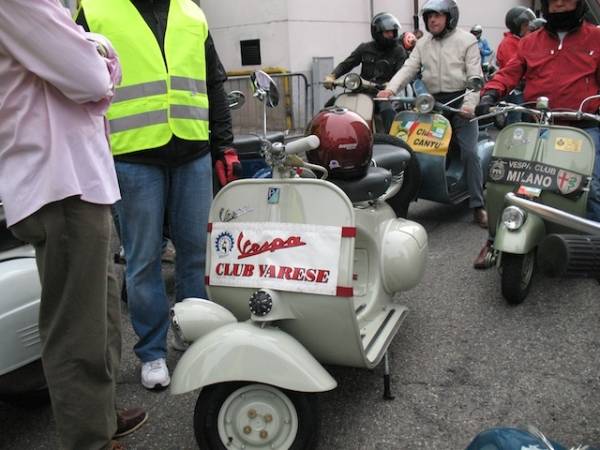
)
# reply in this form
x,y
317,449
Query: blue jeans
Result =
x,y
593,206
465,134
149,194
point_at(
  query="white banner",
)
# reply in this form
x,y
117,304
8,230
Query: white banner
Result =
x,y
284,256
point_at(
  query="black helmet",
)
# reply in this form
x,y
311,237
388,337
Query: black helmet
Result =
x,y
476,31
536,24
448,7
517,16
564,21
385,22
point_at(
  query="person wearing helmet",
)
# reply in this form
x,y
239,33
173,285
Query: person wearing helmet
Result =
x,y
561,61
517,21
484,46
446,58
379,59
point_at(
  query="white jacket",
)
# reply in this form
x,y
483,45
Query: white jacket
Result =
x,y
445,63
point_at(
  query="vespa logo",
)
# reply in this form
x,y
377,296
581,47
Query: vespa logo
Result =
x,y
497,170
224,244
248,248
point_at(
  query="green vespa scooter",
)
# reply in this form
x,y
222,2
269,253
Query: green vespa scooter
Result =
x,y
549,164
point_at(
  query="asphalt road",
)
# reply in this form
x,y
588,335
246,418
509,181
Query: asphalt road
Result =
x,y
463,361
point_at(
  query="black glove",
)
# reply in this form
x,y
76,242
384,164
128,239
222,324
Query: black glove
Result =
x,y
489,99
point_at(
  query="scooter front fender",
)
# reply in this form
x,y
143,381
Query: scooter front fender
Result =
x,y
246,352
524,239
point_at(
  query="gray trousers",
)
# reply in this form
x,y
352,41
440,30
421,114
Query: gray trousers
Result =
x,y
466,134
79,318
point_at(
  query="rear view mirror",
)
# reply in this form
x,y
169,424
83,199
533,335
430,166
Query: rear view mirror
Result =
x,y
236,99
265,88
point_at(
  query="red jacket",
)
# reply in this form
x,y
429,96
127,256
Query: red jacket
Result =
x,y
565,73
507,49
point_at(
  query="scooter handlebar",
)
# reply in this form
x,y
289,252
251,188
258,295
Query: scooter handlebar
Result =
x,y
302,145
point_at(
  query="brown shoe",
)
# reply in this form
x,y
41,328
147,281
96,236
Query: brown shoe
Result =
x,y
129,420
486,258
116,445
480,217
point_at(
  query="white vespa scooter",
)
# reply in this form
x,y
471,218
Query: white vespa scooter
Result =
x,y
300,277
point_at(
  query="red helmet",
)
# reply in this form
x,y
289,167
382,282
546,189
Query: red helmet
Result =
x,y
346,143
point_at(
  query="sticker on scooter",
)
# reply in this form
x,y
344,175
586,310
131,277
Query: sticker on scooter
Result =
x,y
273,195
227,215
224,244
535,175
568,182
568,145
519,136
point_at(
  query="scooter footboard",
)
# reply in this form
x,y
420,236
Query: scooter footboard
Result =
x,y
247,352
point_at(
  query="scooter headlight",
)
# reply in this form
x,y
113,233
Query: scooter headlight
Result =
x,y
513,217
352,81
424,103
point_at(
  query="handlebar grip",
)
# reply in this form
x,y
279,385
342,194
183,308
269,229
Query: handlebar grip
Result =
x,y
302,145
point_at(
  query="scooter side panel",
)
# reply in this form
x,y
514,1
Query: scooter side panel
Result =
x,y
524,239
247,352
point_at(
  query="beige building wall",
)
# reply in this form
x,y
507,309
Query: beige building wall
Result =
x,y
292,32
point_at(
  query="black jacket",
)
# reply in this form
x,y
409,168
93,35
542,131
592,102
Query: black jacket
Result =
x,y
378,64
179,151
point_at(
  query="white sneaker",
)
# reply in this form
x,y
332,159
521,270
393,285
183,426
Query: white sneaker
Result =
x,y
155,374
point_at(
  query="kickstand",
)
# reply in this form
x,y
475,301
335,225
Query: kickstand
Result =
x,y
387,391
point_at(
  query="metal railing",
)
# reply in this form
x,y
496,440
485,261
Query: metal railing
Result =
x,y
292,113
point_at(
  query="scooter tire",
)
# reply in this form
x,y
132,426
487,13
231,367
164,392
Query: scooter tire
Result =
x,y
516,276
412,176
212,399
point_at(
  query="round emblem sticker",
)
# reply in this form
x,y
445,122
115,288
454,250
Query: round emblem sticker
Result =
x,y
518,134
497,170
224,244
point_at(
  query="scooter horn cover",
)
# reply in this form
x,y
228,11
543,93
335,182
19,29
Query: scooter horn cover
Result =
x,y
346,144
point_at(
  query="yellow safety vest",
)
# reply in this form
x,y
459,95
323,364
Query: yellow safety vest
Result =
x,y
154,101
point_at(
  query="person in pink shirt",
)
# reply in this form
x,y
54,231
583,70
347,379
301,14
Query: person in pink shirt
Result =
x,y
57,183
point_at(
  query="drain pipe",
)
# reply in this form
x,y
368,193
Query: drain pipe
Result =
x,y
371,6
416,15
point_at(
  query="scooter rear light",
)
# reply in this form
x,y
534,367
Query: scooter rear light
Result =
x,y
513,217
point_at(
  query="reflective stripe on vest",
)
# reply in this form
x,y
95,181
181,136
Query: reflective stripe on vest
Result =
x,y
152,105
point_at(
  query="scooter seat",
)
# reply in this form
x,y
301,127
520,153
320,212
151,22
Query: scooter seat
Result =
x,y
390,157
370,187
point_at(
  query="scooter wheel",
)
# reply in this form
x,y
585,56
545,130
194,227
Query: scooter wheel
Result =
x,y
517,273
254,416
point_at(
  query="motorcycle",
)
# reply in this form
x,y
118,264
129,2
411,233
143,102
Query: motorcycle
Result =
x,y
21,373
516,439
302,272
429,134
551,164
358,96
